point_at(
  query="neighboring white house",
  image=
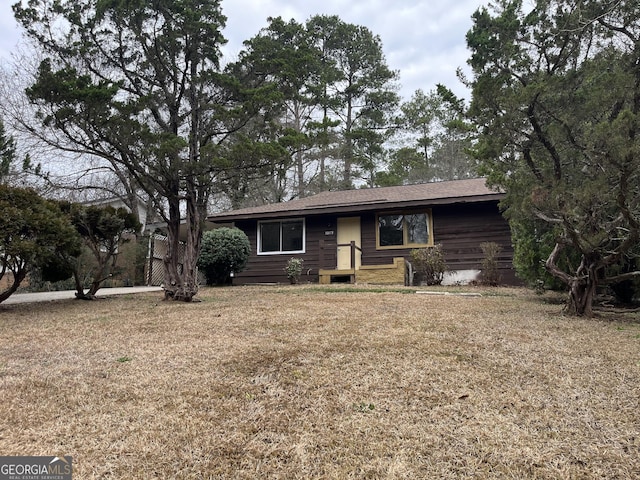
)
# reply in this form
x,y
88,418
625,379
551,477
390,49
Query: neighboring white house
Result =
x,y
145,217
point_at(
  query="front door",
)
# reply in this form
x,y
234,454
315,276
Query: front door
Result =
x,y
348,231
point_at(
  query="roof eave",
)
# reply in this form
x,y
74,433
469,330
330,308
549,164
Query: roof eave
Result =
x,y
351,208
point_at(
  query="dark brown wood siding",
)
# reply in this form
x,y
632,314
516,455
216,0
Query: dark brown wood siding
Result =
x,y
459,228
320,252
462,229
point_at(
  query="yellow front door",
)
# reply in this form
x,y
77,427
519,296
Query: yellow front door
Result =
x,y
348,231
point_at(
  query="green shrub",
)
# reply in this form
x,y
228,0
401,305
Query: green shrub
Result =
x,y
429,265
224,250
294,269
533,241
490,274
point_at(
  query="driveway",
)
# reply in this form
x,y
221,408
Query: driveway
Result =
x,y
66,294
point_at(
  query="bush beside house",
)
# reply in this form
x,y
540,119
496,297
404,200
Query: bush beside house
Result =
x,y
224,251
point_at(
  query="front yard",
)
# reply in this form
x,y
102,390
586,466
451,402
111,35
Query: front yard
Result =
x,y
313,382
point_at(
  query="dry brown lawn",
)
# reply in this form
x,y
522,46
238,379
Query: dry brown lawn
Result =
x,y
313,382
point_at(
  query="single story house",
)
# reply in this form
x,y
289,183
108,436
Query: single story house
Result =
x,y
366,235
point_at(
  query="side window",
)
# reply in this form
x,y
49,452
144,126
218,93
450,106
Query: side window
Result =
x,y
390,230
281,236
402,230
417,229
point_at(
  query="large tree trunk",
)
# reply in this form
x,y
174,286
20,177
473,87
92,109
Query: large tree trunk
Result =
x,y
18,277
184,280
195,220
582,285
181,279
80,295
180,270
348,147
174,288
299,157
581,295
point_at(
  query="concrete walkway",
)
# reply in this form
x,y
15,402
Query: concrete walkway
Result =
x,y
67,294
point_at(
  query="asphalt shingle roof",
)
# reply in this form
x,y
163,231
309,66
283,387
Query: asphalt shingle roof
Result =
x,y
456,191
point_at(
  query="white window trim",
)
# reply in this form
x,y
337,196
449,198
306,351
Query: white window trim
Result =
x,y
282,252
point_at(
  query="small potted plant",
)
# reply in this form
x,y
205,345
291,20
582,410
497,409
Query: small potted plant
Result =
x,y
294,269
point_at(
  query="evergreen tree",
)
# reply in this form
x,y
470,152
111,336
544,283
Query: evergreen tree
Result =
x,y
434,128
103,231
140,84
34,232
364,91
556,96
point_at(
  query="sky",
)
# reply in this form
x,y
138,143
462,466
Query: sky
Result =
x,y
422,39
